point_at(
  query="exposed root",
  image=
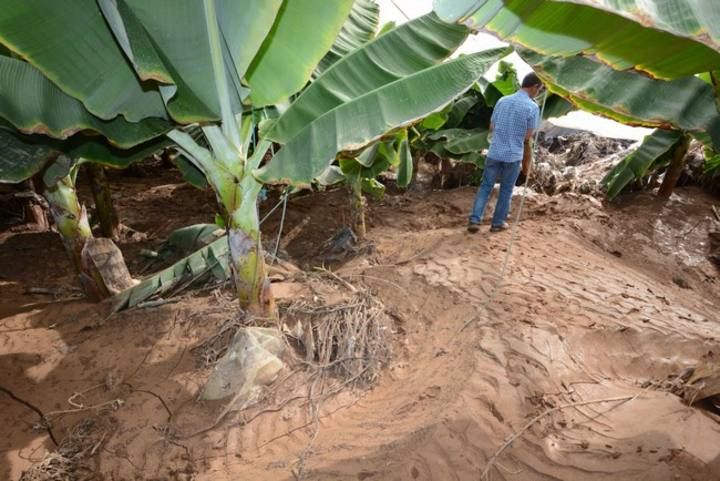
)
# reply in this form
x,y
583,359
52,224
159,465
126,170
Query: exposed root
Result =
x,y
53,467
349,339
69,462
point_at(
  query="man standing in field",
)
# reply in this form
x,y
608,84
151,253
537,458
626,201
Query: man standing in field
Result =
x,y
512,126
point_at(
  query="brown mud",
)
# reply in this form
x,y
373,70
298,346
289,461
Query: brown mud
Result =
x,y
599,303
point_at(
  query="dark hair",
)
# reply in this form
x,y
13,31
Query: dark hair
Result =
x,y
530,80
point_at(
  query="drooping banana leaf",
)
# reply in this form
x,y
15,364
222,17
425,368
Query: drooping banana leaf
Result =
x,y
22,156
655,151
333,175
354,124
611,34
303,32
211,260
629,97
380,62
359,29
72,46
34,105
696,19
21,160
435,121
191,174
556,106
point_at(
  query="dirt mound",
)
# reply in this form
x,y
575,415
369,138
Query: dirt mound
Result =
x,y
575,162
560,377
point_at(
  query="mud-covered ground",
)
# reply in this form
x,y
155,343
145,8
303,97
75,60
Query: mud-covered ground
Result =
x,y
601,309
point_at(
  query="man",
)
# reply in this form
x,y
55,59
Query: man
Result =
x,y
512,126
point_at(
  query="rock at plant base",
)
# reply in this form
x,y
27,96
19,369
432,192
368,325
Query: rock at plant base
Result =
x,y
251,363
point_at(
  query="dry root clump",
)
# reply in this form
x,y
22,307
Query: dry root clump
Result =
x,y
71,461
349,339
53,467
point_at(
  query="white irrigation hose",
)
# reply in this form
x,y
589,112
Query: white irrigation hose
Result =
x,y
513,229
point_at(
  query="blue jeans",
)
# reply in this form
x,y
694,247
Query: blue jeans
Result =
x,y
507,173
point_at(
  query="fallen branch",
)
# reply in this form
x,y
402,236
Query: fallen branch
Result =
x,y
43,419
493,459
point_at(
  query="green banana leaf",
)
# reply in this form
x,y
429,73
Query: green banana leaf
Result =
x,y
606,30
22,156
354,124
380,62
358,30
556,106
695,19
71,45
33,104
462,141
655,151
405,166
506,81
302,34
101,47
20,160
333,175
435,121
629,97
190,173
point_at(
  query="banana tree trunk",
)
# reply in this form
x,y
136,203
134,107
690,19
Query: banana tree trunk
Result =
x,y
675,169
107,215
247,260
99,263
34,211
357,209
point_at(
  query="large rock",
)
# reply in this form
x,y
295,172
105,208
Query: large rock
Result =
x,y
251,362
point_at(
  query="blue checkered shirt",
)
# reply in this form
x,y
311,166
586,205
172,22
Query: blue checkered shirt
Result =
x,y
513,116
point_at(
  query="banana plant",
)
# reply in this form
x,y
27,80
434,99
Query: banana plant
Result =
x,y
230,56
359,171
99,265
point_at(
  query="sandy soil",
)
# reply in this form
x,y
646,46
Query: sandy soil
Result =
x,y
598,303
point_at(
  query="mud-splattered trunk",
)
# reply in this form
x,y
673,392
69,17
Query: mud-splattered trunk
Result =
x,y
357,209
247,260
109,224
675,169
34,210
99,263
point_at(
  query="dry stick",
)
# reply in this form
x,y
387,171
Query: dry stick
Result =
x,y
516,435
43,419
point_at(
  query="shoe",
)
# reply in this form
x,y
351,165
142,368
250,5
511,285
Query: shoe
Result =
x,y
473,227
499,228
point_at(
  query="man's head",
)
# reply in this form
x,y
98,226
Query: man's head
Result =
x,y
532,84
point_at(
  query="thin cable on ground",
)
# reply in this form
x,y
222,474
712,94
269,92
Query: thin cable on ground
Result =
x,y
513,230
280,229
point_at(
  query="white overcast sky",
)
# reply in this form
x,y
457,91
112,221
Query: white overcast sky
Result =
x,y
396,11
